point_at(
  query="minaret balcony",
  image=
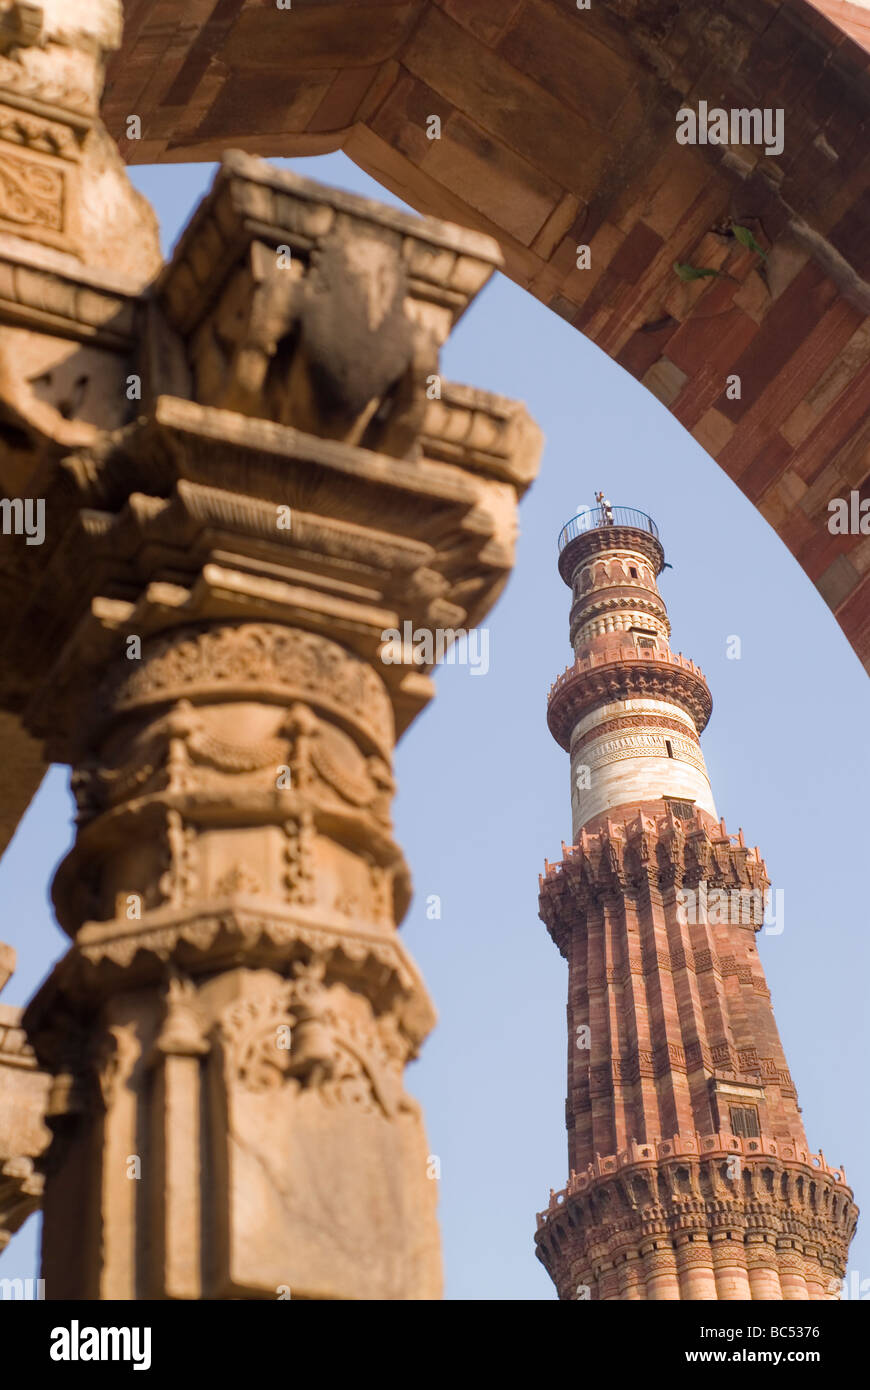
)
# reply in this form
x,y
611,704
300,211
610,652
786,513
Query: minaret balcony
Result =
x,y
702,1146
608,528
615,673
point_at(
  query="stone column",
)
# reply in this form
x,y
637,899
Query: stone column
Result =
x,y
823,1283
695,1267
235,872
609,1285
791,1275
247,588
660,1270
729,1267
77,246
629,1272
762,1268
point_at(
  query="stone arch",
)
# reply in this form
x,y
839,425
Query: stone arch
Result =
x,y
556,131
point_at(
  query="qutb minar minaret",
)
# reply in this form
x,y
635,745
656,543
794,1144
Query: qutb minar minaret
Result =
x,y
690,1173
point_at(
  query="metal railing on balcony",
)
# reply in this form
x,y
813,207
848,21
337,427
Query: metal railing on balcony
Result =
x,y
606,516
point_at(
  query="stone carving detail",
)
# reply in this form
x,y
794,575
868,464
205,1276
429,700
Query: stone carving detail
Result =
x,y
697,1055
367,1056
381,880
578,1242
183,1030
630,721
312,1061
238,879
170,753
251,1032
166,755
642,745
234,757
256,656
18,127
359,780
179,883
277,342
30,193
298,859
336,1045
74,195
182,740
115,1057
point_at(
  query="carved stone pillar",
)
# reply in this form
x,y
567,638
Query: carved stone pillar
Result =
x,y
234,870
761,1265
77,246
792,1276
694,1266
23,1135
660,1269
729,1267
233,589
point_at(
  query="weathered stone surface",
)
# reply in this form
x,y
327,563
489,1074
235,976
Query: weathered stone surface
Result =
x,y
77,244
62,181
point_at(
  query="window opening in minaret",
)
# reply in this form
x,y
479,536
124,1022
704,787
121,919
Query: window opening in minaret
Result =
x,y
744,1121
669,748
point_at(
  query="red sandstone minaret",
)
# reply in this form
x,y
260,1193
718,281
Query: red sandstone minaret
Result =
x,y
690,1175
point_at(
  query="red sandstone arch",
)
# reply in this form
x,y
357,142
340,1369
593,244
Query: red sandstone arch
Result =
x,y
558,129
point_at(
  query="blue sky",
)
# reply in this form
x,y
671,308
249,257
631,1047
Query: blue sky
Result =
x,y
484,790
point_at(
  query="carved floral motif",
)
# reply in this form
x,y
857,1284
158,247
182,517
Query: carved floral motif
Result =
x,y
31,194
336,1045
250,1030
238,879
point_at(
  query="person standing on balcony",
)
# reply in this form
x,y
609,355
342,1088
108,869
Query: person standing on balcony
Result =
x,y
606,507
